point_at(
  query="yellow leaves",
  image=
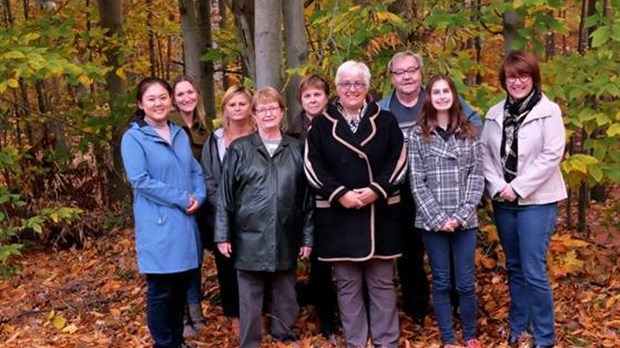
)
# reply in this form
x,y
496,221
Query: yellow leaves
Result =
x,y
70,329
85,80
567,264
388,17
565,260
59,322
120,72
564,242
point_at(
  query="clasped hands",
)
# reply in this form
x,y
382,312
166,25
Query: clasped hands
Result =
x,y
451,225
507,193
358,198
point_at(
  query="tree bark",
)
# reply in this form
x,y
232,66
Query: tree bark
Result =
x,y
296,51
512,21
151,37
206,80
111,16
191,40
268,41
244,12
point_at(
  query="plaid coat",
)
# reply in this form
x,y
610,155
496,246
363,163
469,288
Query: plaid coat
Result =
x,y
446,179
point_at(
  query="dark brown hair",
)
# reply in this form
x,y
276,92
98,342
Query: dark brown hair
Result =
x,y
458,125
312,81
518,63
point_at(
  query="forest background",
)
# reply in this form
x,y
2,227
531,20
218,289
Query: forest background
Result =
x,y
67,76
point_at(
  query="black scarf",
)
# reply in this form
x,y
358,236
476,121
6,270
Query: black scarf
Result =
x,y
515,112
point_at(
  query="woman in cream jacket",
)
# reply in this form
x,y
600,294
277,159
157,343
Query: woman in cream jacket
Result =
x,y
523,144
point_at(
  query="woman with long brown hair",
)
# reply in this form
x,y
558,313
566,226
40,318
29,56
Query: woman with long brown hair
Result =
x,y
447,183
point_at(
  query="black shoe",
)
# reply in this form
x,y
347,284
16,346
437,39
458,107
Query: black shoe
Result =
x,y
418,318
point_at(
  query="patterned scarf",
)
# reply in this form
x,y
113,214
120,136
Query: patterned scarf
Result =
x,y
515,112
353,122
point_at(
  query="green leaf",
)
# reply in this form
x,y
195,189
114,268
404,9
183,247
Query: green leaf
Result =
x,y
13,55
600,36
596,173
613,130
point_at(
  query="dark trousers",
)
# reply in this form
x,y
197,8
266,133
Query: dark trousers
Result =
x,y
165,304
411,274
323,294
227,280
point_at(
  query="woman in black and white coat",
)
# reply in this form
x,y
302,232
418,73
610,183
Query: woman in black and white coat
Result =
x,y
355,160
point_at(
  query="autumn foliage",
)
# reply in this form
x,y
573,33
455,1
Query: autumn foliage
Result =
x,y
94,297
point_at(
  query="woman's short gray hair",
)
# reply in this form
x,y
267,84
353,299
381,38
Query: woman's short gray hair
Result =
x,y
353,68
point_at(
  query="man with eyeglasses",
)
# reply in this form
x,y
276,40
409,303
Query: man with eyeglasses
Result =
x,y
405,102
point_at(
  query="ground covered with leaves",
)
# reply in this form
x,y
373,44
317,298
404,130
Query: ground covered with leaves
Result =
x,y
94,297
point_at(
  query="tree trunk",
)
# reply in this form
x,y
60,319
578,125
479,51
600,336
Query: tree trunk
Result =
x,y
243,11
207,83
222,25
550,43
151,37
191,40
111,15
268,41
296,51
512,21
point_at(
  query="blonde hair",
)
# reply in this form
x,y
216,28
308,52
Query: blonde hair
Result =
x,y
228,95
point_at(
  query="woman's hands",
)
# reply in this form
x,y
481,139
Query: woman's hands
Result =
x,y
451,225
193,205
507,193
358,198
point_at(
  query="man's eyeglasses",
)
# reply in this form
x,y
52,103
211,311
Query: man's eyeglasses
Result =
x,y
402,72
271,110
356,85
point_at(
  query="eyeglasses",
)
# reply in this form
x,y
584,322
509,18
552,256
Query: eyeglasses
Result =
x,y
356,85
401,73
521,78
271,110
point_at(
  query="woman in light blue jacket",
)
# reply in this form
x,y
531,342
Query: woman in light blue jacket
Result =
x,y
168,187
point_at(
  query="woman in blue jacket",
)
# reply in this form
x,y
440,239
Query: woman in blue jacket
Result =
x,y
168,188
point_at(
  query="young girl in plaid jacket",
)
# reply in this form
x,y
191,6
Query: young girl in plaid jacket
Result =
x,y
446,182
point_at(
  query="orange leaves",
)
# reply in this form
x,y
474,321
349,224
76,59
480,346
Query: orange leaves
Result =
x,y
95,298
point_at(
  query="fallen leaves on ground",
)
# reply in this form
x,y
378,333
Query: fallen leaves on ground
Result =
x,y
94,297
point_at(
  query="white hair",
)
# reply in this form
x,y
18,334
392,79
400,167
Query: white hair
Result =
x,y
353,68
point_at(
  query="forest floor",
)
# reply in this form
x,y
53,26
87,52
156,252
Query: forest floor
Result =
x,y
94,297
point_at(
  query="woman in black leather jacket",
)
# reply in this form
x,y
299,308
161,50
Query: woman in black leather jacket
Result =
x,y
264,219
236,121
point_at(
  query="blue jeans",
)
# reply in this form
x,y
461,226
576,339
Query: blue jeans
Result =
x,y
524,233
165,304
463,244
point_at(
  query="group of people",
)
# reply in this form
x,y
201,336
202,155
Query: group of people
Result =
x,y
361,188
